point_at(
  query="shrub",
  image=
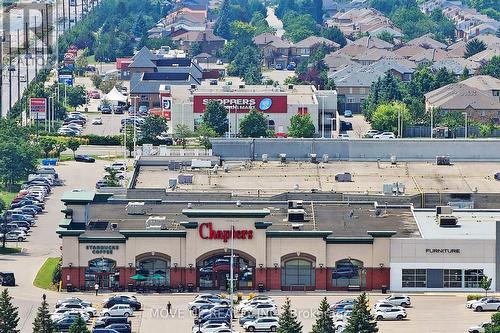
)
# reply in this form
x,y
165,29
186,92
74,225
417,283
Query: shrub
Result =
x,y
97,140
56,274
472,297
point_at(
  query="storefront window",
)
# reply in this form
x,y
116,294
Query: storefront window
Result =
x,y
214,272
298,272
452,278
414,278
155,270
349,272
102,271
472,277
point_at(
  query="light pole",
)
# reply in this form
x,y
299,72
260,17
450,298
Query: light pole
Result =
x,y
18,70
135,126
466,125
432,121
231,276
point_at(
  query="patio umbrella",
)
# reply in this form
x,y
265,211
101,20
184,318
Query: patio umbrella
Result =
x,y
138,277
157,277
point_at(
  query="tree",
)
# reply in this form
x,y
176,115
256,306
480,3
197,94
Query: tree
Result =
x,y
79,326
81,62
335,35
253,125
385,117
59,147
492,68
324,319
73,144
386,36
9,316
474,46
465,74
301,126
288,322
182,132
47,144
317,11
140,26
127,138
153,126
247,64
43,323
96,80
485,284
223,24
299,26
215,116
243,33
361,320
112,178
204,133
75,96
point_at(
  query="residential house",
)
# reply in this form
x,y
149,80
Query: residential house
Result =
x,y
396,67
489,28
373,55
360,20
408,51
478,97
427,42
206,41
373,42
457,50
484,56
274,50
183,19
308,46
336,60
429,56
393,31
122,66
456,65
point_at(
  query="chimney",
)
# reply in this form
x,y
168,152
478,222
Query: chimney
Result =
x,y
204,36
433,54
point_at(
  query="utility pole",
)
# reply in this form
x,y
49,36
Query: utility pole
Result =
x,y
36,41
18,70
1,76
76,14
63,14
27,47
69,14
36,53
48,28
10,73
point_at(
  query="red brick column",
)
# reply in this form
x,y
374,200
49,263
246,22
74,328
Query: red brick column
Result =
x,y
260,277
190,276
176,276
329,280
125,274
73,275
274,278
321,274
377,277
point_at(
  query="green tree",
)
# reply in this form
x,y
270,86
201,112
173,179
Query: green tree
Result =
x,y
385,117
247,64
43,323
96,80
73,144
153,126
204,134
492,68
301,126
465,74
260,24
386,36
474,46
140,27
223,25
112,177
75,96
317,11
361,320
324,319
288,322
215,117
299,26
81,62
47,144
242,32
9,316
253,125
182,132
195,49
156,43
485,284
335,35
79,326
3,205
59,147
127,139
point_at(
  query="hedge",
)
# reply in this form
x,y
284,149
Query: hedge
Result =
x,y
472,297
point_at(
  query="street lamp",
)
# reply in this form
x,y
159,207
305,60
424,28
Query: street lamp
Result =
x,y
466,125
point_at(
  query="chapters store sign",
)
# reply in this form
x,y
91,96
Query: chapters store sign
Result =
x,y
207,231
243,104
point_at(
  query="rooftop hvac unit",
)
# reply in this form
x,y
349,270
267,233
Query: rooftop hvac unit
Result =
x,y
185,178
447,220
193,86
313,158
296,215
241,86
135,208
444,210
295,204
114,226
443,160
283,158
172,182
394,189
394,160
156,222
343,177
297,226
265,158
325,158
290,86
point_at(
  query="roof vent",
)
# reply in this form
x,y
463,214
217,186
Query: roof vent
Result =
x,y
135,208
265,158
114,226
290,86
283,158
443,160
447,220
156,222
193,86
297,226
313,159
241,86
238,203
296,215
444,210
295,204
190,205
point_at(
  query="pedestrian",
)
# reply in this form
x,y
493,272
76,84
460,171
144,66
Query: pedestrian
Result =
x,y
169,307
96,287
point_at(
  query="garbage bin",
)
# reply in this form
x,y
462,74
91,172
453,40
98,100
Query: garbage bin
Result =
x,y
130,287
190,287
384,289
70,288
261,288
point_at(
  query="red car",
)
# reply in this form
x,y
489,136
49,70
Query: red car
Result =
x,y
94,94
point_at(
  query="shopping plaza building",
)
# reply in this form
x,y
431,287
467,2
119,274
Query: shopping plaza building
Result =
x,y
168,230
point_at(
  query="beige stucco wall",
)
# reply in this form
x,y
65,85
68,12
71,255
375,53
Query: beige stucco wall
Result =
x,y
370,254
278,247
70,251
170,246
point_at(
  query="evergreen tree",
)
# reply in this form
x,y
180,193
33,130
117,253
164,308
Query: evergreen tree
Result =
x,y
465,74
215,116
288,322
361,320
474,46
335,35
324,319
43,323
223,25
498,32
318,11
492,68
79,326
9,317
253,125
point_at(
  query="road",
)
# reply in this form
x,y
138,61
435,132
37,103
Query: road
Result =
x,y
274,22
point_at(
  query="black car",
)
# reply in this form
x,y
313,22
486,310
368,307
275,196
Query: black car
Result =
x,y
345,126
119,110
136,305
64,323
105,110
497,176
27,202
7,279
121,328
106,321
84,158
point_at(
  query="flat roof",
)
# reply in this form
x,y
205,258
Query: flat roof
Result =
x,y
322,219
475,224
77,196
272,178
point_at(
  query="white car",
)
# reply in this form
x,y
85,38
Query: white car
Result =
x,y
371,133
252,303
384,135
481,328
491,304
468,304
72,300
382,306
214,308
262,324
195,305
118,310
343,136
97,121
209,328
401,300
118,166
260,309
14,236
80,307
396,313
63,313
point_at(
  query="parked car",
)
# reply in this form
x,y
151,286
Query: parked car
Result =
x,y
84,158
384,135
120,328
102,322
72,300
481,328
195,305
97,121
104,330
143,110
14,236
64,323
402,300
78,306
261,309
343,136
118,166
7,279
371,133
395,313
94,94
491,304
468,304
105,110
278,67
66,313
118,310
248,318
122,300
382,306
345,125
262,324
348,113
208,328
291,66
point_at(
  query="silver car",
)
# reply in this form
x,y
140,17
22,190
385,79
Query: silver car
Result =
x,y
402,300
491,304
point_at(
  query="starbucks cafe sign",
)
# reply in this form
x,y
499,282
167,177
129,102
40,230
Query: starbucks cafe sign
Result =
x,y
102,249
